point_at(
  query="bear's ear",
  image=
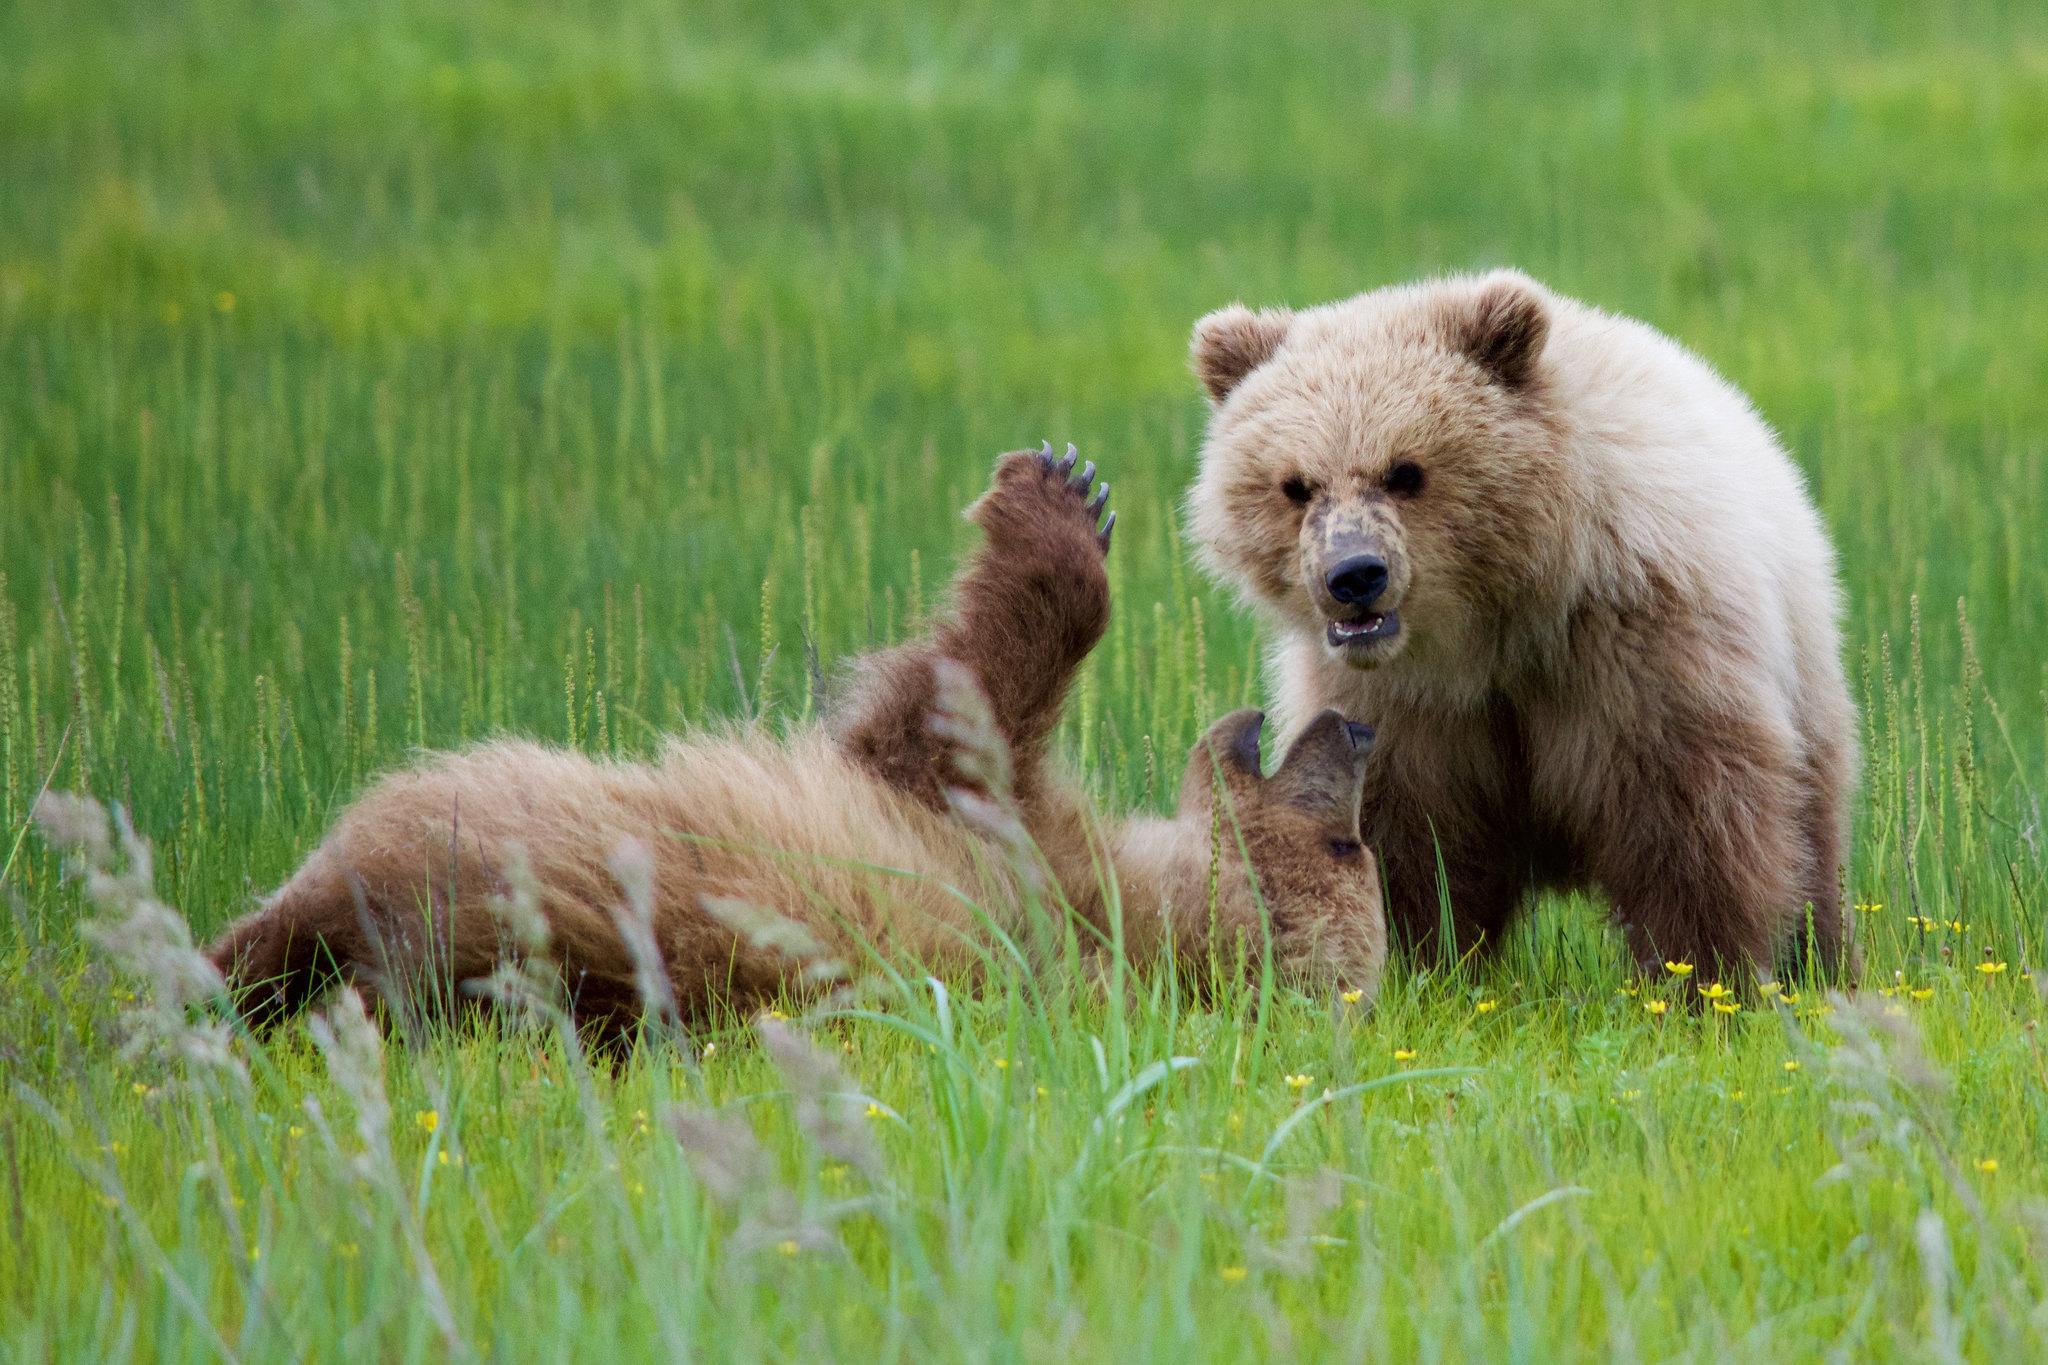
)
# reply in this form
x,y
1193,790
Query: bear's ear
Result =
x,y
1502,328
1232,342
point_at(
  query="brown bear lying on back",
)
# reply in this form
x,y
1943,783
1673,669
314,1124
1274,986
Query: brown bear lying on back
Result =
x,y
849,829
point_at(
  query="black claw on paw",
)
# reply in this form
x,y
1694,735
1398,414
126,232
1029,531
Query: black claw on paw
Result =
x,y
1079,482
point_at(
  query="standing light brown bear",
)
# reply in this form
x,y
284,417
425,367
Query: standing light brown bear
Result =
x,y
1578,587
868,832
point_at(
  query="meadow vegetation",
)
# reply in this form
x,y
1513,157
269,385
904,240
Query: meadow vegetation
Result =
x,y
382,376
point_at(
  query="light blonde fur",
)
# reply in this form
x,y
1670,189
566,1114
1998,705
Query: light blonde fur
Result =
x,y
1618,657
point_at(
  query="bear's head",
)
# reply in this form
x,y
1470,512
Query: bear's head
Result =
x,y
1384,472
1299,832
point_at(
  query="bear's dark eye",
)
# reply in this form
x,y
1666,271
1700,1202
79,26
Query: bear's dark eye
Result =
x,y
1346,848
1298,490
1404,480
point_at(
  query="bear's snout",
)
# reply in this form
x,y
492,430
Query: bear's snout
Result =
x,y
1353,571
1357,580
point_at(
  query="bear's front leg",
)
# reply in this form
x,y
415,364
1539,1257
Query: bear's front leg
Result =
x,y
1698,845
1027,608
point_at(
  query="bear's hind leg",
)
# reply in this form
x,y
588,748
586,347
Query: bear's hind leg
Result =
x,y
1027,609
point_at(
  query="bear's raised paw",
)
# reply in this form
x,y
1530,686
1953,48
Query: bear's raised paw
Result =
x,y
1040,498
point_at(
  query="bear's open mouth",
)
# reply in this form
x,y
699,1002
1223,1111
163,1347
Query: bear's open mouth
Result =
x,y
1368,629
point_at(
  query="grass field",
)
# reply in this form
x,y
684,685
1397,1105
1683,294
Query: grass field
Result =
x,y
383,375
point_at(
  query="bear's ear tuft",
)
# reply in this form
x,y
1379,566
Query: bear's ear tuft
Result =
x,y
1502,328
1232,342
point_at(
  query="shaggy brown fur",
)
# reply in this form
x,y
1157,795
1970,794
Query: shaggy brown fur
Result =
x,y
845,829
1601,640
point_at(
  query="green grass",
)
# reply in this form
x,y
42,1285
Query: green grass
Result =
x,y
386,375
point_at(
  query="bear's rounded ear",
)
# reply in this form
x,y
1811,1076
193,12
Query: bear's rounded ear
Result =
x,y
1232,342
1503,327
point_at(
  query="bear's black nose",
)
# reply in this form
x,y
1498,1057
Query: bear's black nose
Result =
x,y
1358,581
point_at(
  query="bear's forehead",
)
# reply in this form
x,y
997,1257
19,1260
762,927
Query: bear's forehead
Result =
x,y
1348,403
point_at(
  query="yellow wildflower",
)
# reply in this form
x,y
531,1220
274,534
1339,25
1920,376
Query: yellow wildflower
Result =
x,y
1717,991
1988,1164
875,1111
1921,992
1404,1054
429,1119
1726,1006
1678,968
1486,1006
1767,989
1298,1081
1991,968
1232,1274
1791,1066
788,1246
1656,1006
1002,1063
295,1131
1353,997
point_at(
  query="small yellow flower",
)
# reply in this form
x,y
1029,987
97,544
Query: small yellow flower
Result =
x,y
1726,1006
1656,1006
1991,968
1735,1096
876,1111
1921,992
1988,1164
1043,1092
1869,907
788,1246
1404,1054
1353,997
1232,1274
1002,1063
710,1051
1630,990
1486,1006
1235,1122
1299,1081
1678,968
295,1132
777,1014
1717,991
1957,926
1627,1095
429,1119
1791,1066
139,1088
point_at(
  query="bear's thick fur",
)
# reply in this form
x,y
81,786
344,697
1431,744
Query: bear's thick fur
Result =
x,y
871,832
1576,584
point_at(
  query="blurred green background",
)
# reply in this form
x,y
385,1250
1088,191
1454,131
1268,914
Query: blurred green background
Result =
x,y
376,375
